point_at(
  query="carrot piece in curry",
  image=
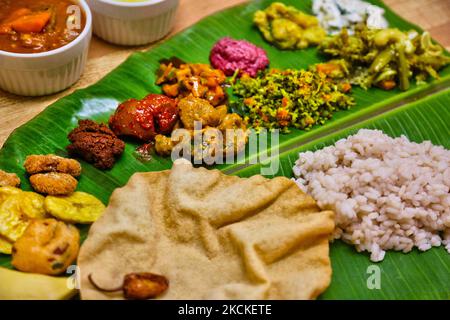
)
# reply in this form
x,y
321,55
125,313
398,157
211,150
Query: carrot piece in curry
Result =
x,y
17,14
5,27
32,23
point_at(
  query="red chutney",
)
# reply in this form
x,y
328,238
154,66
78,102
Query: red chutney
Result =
x,y
33,26
144,119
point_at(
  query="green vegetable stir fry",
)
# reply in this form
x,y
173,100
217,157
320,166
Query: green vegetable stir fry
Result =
x,y
288,28
385,58
291,98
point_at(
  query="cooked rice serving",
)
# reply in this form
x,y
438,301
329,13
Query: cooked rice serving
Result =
x,y
388,194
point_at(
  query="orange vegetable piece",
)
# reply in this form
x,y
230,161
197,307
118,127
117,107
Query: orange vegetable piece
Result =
x,y
5,28
18,13
387,84
248,101
327,68
172,90
346,87
31,23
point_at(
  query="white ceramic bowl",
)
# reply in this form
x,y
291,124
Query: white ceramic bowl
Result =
x,y
38,74
133,23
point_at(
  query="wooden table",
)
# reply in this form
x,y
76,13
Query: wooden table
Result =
x,y
431,15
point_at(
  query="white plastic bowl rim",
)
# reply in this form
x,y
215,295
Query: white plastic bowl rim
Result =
x,y
86,31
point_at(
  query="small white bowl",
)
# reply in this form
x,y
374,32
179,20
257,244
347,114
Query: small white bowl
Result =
x,y
38,74
133,23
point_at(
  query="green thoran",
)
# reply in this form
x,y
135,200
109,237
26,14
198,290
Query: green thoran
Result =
x,y
291,98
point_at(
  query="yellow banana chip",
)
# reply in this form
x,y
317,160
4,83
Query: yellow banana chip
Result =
x,y
79,207
5,246
5,192
32,205
13,221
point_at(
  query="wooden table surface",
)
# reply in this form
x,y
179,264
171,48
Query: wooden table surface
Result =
x,y
431,15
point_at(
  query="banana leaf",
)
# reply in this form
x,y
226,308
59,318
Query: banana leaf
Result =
x,y
135,78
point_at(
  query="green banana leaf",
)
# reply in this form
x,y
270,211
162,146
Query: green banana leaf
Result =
x,y
135,78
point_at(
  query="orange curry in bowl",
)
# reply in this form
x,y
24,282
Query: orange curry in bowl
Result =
x,y
32,26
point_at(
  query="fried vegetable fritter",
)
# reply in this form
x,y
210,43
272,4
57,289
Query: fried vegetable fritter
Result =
x,y
53,183
9,179
79,207
46,247
51,163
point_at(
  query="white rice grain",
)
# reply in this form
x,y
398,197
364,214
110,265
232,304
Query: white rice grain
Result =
x,y
388,193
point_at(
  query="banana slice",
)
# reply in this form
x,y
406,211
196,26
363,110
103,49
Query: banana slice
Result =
x,y
79,207
5,245
16,285
13,221
16,208
32,205
5,192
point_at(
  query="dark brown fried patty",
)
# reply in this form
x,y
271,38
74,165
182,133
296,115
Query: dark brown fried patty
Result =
x,y
95,143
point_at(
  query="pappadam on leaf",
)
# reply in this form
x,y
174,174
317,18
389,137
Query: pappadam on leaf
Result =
x,y
195,227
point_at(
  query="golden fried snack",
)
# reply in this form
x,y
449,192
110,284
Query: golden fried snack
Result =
x,y
5,245
5,192
46,247
53,183
9,179
32,205
16,209
51,163
79,207
12,220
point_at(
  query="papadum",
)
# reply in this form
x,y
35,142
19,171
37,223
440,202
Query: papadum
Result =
x,y
212,236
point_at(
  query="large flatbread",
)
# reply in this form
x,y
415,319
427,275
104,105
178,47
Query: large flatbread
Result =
x,y
212,236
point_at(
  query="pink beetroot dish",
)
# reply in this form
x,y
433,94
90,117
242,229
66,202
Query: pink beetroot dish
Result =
x,y
230,55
